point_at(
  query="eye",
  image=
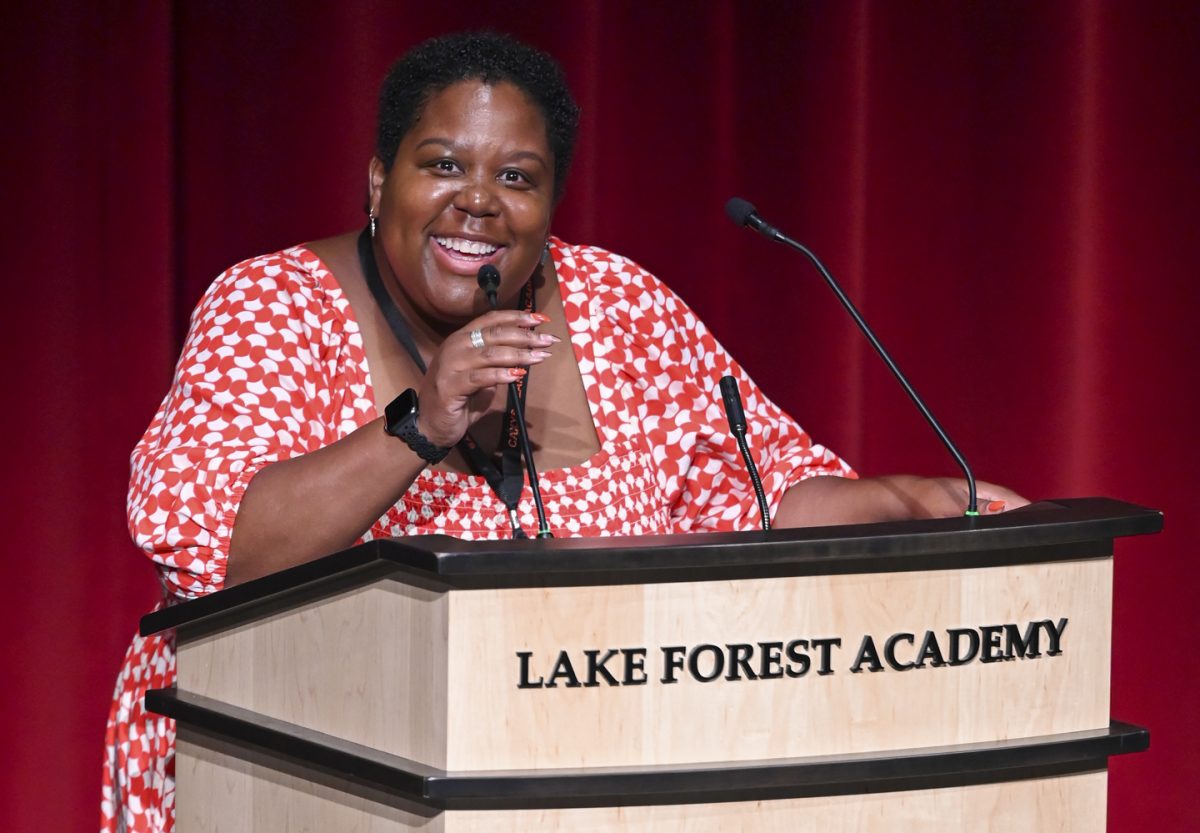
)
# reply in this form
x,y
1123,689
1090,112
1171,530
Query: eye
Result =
x,y
516,177
445,166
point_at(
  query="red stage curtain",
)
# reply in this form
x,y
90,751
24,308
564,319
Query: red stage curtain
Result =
x,y
1009,190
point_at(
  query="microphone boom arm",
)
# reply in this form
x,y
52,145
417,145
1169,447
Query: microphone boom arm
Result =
x,y
742,213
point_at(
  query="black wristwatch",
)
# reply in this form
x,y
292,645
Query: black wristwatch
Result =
x,y
400,420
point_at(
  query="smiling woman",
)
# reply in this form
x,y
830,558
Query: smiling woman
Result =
x,y
358,386
471,183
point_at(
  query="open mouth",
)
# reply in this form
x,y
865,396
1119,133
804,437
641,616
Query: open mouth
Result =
x,y
463,249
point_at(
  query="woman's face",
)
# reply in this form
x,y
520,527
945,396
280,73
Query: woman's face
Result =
x,y
472,183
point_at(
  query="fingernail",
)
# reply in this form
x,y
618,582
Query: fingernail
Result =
x,y
537,316
546,338
995,506
516,372
539,354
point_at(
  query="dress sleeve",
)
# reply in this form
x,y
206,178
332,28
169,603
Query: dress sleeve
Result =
x,y
675,371
251,387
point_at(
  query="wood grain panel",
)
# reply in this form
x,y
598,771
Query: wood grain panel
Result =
x,y
494,725
221,793
367,665
1068,804
433,677
218,793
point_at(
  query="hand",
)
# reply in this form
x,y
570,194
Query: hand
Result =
x,y
896,497
463,380
944,497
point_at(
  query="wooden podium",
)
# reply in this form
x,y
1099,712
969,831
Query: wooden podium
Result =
x,y
920,676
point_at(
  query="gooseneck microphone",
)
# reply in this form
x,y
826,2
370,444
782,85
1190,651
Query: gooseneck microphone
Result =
x,y
488,279
737,426
743,214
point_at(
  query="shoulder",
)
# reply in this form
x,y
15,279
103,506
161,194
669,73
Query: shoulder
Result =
x,y
599,267
283,304
287,296
617,284
293,277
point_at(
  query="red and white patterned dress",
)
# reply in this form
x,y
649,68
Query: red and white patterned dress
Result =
x,y
274,367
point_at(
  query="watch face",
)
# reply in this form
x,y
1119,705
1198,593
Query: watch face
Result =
x,y
401,411
400,418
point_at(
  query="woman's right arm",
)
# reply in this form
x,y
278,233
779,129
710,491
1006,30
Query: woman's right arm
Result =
x,y
297,509
246,393
252,389
250,464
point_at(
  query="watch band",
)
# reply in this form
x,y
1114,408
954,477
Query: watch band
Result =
x,y
400,420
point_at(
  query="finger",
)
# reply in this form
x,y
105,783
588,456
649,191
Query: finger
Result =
x,y
510,336
498,356
509,318
491,377
994,493
472,371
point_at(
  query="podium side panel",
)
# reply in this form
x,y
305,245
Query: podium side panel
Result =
x,y
367,665
219,792
222,792
750,711
1065,804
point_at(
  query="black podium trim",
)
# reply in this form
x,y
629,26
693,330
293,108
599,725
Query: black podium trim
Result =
x,y
380,776
1048,531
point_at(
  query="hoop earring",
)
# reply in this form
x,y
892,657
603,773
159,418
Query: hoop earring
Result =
x,y
374,224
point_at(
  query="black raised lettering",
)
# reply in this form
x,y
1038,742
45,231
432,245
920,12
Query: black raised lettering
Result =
x,y
770,660
1024,645
798,661
990,637
826,646
889,650
596,668
930,652
718,662
635,666
958,656
672,662
563,669
1055,634
524,681
740,655
867,653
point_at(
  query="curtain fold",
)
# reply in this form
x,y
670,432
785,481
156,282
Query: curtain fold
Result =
x,y
88,338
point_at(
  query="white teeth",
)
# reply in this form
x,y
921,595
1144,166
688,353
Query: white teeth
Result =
x,y
466,247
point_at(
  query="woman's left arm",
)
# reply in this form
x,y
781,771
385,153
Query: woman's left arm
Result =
x,y
821,501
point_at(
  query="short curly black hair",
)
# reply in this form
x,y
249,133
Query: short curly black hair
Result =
x,y
436,64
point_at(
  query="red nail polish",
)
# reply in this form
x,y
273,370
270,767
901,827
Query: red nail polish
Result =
x,y
516,372
539,317
995,506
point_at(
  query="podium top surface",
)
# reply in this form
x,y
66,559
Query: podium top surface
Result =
x,y
1046,531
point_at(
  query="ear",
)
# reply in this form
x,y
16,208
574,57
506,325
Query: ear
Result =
x,y
375,179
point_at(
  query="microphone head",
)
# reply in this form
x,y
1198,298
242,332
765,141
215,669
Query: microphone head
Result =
x,y
488,278
738,210
732,399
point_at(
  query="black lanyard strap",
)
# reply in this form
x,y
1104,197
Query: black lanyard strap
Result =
x,y
508,479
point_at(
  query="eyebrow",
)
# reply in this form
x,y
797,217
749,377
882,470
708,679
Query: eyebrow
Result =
x,y
449,144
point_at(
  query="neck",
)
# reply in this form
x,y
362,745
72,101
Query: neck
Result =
x,y
428,333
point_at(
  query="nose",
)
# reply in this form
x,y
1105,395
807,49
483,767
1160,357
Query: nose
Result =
x,y
477,199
